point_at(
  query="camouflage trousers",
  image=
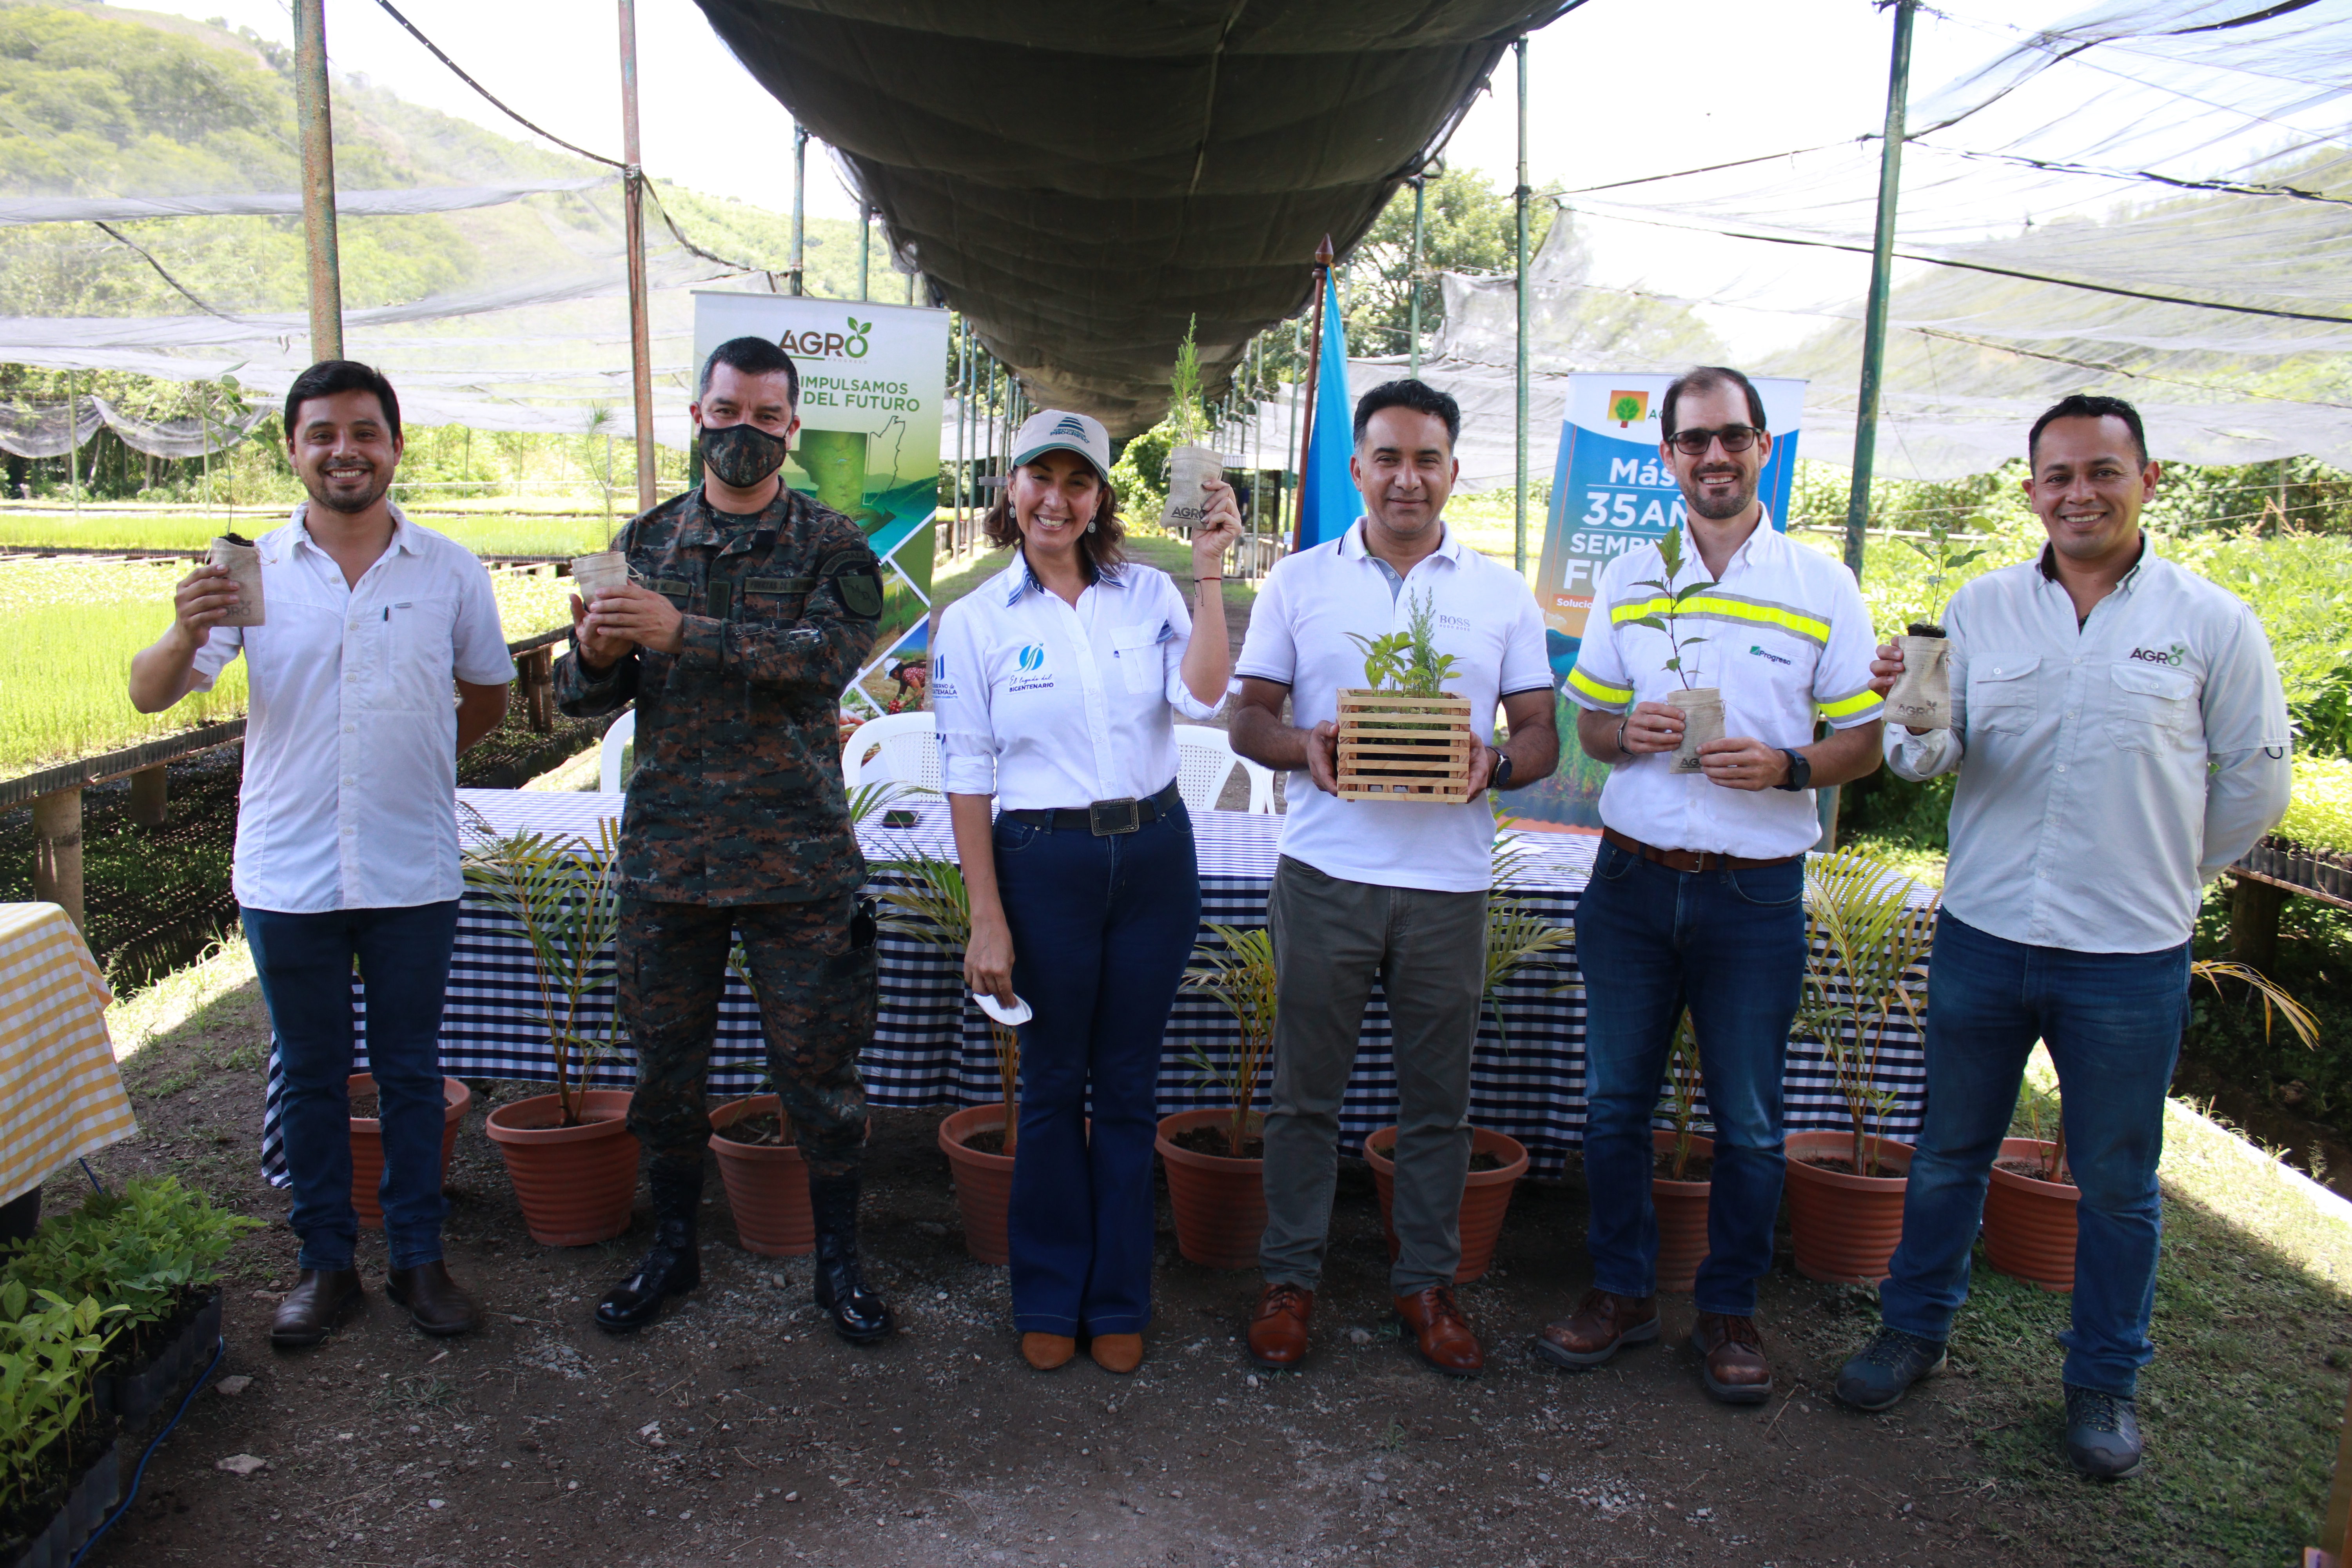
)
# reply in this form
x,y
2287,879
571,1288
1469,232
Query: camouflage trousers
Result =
x,y
812,968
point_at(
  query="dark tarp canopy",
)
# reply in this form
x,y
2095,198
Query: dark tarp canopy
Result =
x,y
1081,177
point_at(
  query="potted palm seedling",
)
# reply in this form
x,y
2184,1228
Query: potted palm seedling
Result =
x,y
1401,736
1701,706
1191,464
571,1154
1215,1157
1921,697
1866,959
1679,1182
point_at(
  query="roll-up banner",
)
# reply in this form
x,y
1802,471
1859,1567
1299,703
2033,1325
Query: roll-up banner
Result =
x,y
1612,492
873,381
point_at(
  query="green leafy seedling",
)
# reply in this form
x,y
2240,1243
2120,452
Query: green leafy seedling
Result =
x,y
1670,551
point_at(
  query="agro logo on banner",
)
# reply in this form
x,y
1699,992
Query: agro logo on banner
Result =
x,y
1612,492
873,378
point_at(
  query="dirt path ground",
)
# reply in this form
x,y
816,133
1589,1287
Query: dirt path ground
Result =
x,y
739,1430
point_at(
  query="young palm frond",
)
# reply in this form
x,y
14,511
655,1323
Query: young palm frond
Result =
x,y
1241,976
1868,957
564,892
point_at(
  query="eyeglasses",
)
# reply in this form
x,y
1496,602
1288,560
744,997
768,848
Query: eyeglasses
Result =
x,y
1735,438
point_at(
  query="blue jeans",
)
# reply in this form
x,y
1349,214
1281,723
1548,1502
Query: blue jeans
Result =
x,y
1730,945
2113,1023
305,963
1102,928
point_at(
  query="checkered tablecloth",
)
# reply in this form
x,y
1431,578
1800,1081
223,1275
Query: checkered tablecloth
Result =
x,y
61,1096
932,1046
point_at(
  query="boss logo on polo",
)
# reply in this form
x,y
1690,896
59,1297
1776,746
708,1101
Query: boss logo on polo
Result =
x,y
1455,622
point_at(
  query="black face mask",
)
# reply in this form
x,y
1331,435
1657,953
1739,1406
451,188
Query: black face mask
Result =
x,y
741,455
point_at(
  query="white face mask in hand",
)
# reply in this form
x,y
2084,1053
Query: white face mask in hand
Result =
x,y
1010,1017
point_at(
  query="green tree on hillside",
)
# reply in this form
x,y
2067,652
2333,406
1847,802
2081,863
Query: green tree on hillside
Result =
x,y
1469,224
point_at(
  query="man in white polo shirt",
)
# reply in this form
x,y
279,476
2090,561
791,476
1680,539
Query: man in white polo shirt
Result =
x,y
2120,737
379,659
1696,894
1370,889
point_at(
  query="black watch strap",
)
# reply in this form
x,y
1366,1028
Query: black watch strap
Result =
x,y
1501,777
1800,770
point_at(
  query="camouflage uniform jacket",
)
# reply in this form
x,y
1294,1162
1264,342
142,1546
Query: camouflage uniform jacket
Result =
x,y
737,797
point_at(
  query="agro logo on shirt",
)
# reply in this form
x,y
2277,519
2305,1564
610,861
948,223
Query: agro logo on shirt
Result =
x,y
1029,666
2175,655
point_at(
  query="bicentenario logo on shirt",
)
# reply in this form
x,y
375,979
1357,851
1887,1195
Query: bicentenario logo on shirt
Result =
x,y
1029,669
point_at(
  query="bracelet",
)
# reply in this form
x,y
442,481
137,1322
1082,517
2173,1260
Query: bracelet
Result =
x,y
1621,736
1208,579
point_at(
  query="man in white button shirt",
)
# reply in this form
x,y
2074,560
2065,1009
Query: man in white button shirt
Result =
x,y
1695,898
380,659
2120,737
1373,889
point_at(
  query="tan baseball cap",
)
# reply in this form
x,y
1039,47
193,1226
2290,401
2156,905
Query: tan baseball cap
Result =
x,y
1058,430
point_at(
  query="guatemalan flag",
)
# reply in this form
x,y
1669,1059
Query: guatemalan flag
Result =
x,y
1327,497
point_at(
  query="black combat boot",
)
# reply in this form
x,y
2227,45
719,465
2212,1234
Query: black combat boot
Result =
x,y
860,1315
673,1265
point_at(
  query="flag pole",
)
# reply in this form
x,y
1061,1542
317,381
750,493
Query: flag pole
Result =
x,y
632,211
1520,288
1314,364
312,106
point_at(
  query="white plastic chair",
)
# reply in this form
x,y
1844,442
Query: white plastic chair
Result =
x,y
618,740
1206,760
901,746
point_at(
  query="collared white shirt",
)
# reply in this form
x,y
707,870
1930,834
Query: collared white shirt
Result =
x,y
350,749
1298,636
1784,634
2107,770
1051,706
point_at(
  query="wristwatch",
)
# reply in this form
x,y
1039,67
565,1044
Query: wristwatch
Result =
x,y
1501,777
1800,771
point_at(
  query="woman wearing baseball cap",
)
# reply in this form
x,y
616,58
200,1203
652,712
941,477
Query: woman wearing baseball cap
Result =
x,y
1056,686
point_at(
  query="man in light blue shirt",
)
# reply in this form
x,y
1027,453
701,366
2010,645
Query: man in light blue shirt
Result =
x,y
2120,737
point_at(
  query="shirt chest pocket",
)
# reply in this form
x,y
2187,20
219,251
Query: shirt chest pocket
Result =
x,y
412,660
1136,650
775,598
2003,694
2151,708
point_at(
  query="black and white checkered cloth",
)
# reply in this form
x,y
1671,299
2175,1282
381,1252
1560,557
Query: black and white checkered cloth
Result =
x,y
932,1046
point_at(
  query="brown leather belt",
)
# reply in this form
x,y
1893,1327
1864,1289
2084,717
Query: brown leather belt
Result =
x,y
1691,860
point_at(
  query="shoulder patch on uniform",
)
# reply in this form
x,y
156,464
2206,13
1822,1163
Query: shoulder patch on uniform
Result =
x,y
858,577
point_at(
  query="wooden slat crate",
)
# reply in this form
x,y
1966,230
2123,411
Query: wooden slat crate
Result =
x,y
1393,747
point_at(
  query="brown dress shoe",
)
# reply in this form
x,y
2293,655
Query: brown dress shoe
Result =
x,y
1278,1330
319,1297
1603,1324
1731,1359
1046,1352
436,1303
1120,1353
1439,1332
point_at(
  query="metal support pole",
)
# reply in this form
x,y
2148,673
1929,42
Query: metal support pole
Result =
x,y
57,851
864,249
800,208
1297,482
633,177
1519,503
1882,261
963,414
1412,273
73,438
1323,259
312,111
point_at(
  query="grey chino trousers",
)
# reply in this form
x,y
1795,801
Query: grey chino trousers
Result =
x,y
1331,939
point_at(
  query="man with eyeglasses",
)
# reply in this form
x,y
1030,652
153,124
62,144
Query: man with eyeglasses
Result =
x,y
1696,900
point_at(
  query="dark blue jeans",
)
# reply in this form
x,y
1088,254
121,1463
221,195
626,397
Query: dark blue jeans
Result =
x,y
1102,928
305,964
1730,945
2113,1023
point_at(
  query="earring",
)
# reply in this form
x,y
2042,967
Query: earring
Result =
x,y
1090,526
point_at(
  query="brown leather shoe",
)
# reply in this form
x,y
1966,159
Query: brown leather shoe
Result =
x,y
319,1297
1046,1352
436,1303
1121,1354
1731,1359
1278,1330
1602,1325
1440,1333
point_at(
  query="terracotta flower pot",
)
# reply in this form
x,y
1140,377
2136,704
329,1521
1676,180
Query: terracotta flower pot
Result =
x,y
767,1184
367,1145
575,1183
1845,1227
1682,1217
1486,1194
1219,1201
2029,1225
984,1183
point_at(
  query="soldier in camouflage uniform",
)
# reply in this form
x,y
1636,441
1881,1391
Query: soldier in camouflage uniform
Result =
x,y
752,609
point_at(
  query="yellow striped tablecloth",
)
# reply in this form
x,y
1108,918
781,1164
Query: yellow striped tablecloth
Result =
x,y
60,1095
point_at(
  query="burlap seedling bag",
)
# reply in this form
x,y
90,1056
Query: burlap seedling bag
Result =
x,y
1702,708
1922,695
244,563
1189,468
605,572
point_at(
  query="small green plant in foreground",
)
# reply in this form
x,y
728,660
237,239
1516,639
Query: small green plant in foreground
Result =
x,y
1944,566
49,1348
1239,972
1408,661
142,1250
1670,551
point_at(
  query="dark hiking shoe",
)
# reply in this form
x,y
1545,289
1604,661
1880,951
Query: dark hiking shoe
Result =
x,y
1885,1368
2102,1433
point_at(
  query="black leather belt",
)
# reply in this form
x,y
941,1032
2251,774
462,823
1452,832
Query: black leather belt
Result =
x,y
1104,818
